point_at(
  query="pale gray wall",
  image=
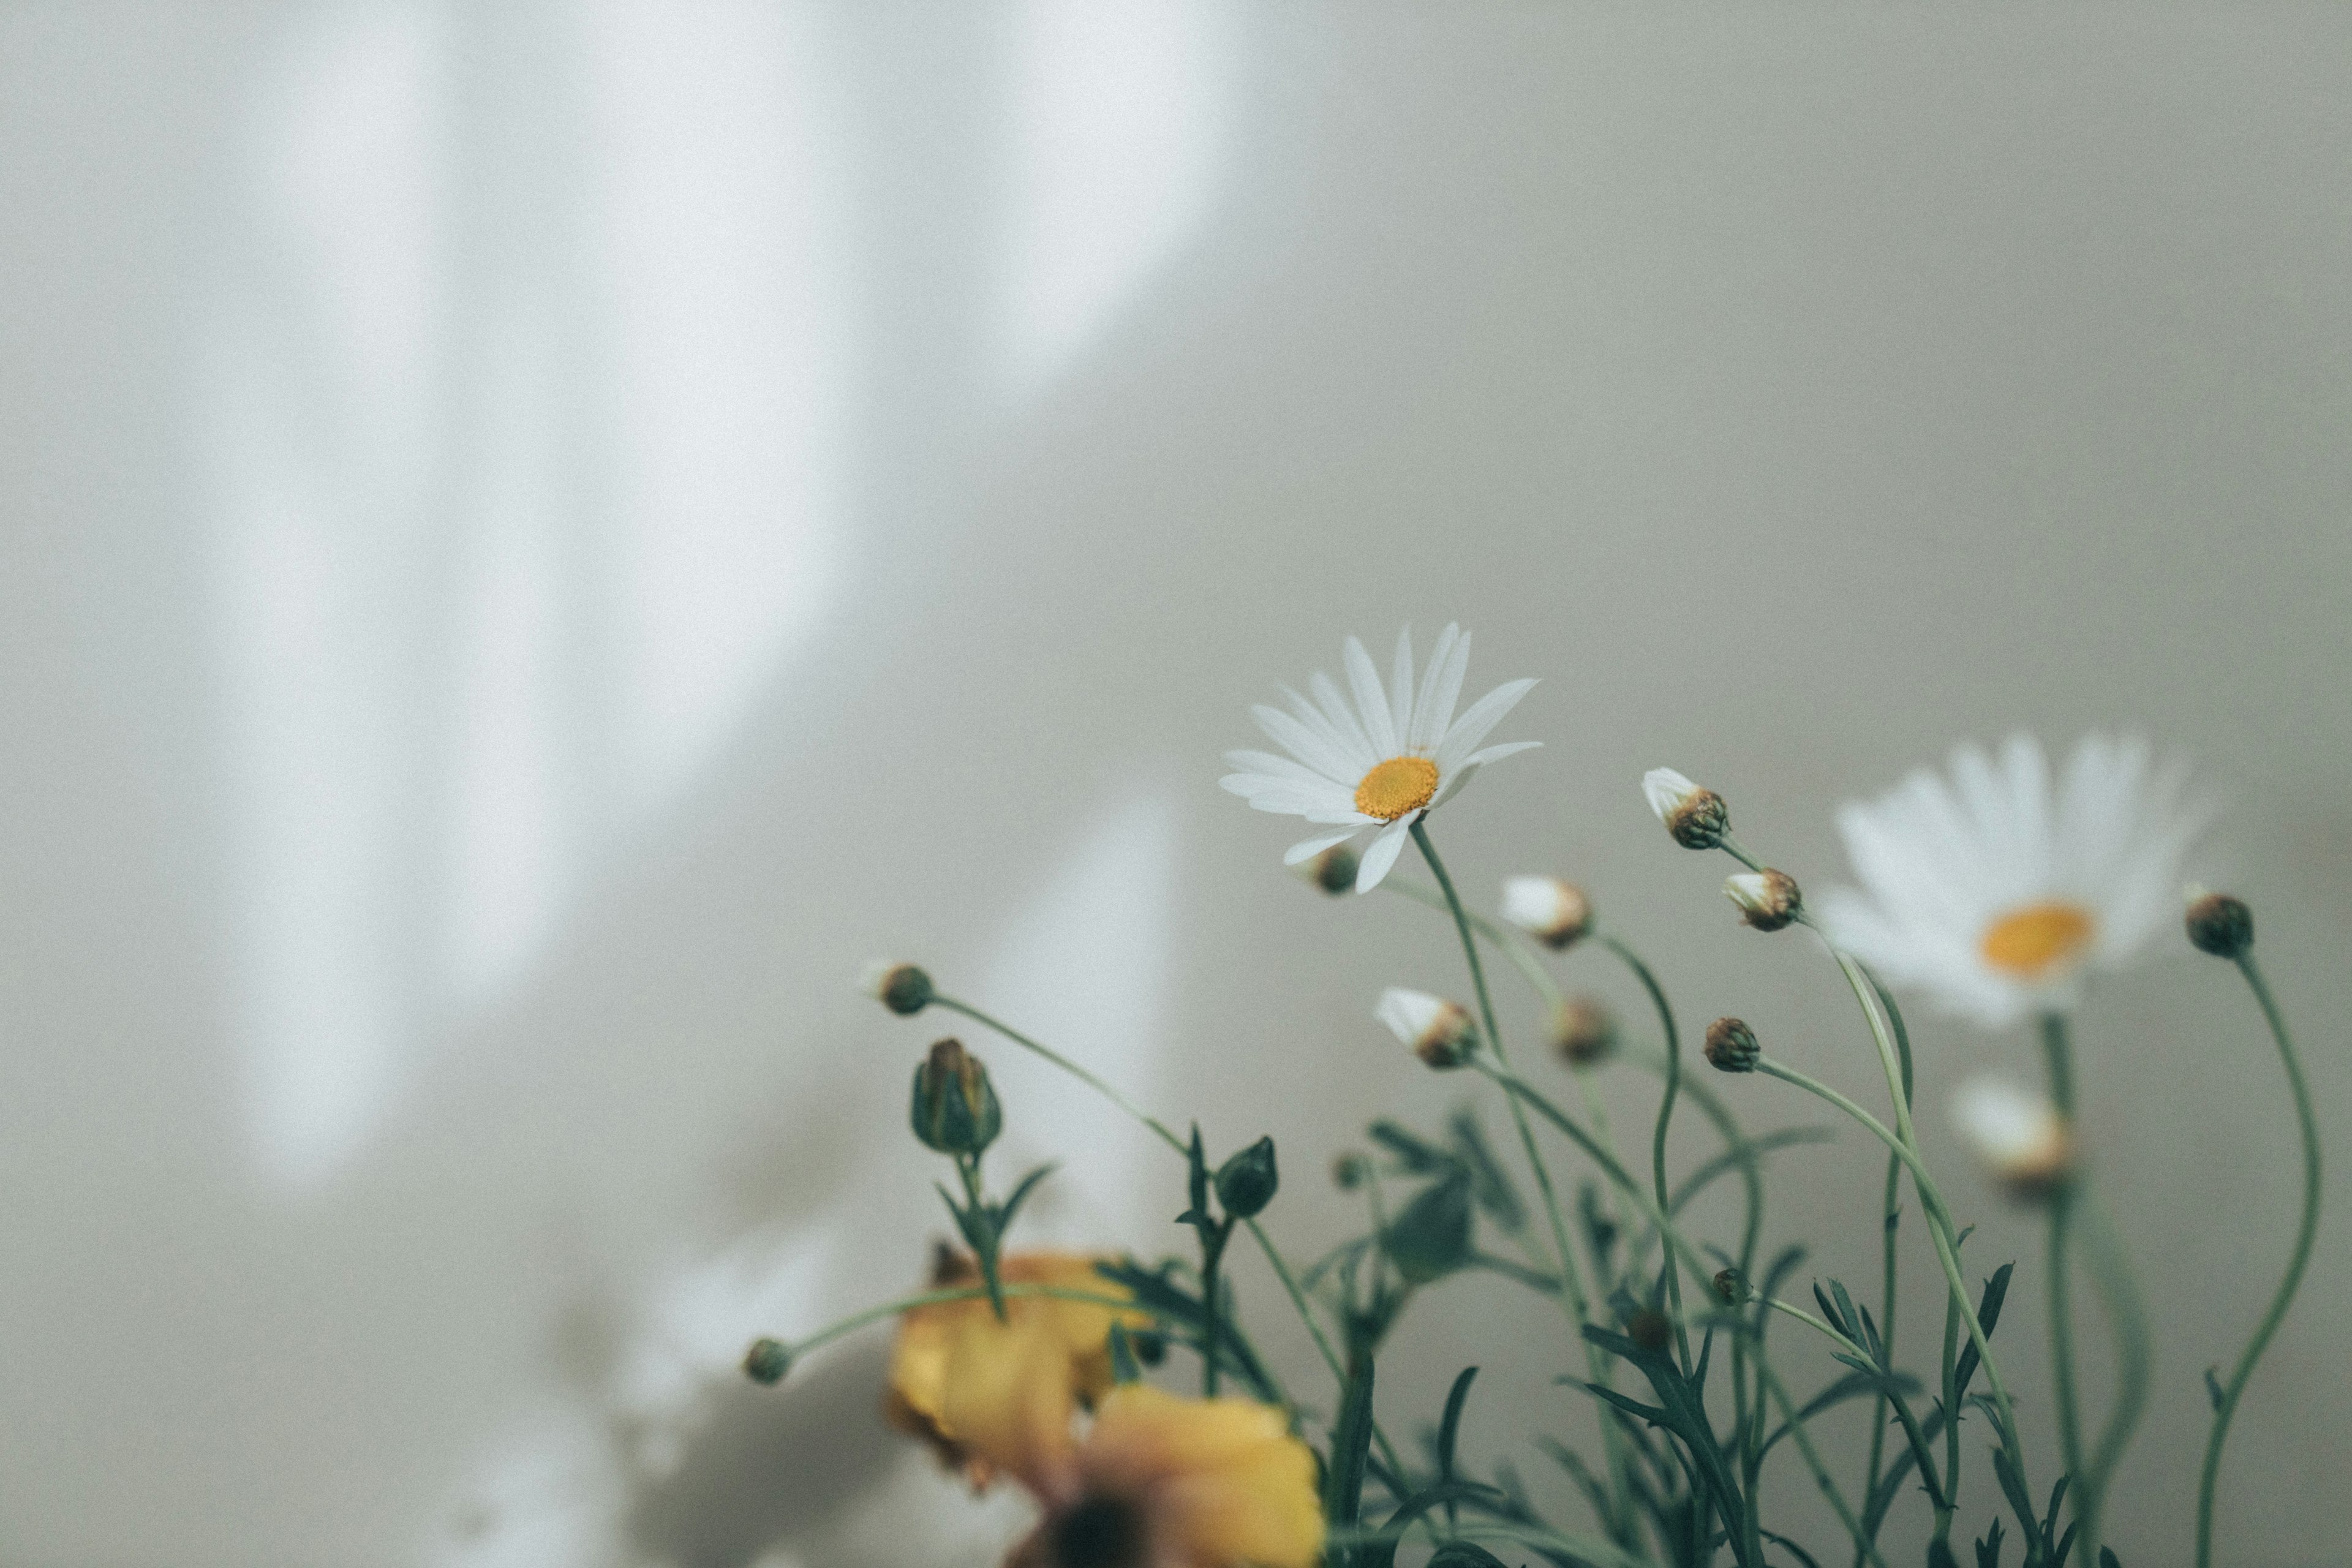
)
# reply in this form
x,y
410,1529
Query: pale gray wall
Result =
x,y
536,539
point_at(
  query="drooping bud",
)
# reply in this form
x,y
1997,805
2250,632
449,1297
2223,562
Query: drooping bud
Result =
x,y
955,1110
2021,1138
1768,899
1731,1287
2219,924
1731,1045
1437,1031
1349,1171
1554,912
1650,1328
766,1362
1582,1030
1247,1182
901,987
1696,817
1332,869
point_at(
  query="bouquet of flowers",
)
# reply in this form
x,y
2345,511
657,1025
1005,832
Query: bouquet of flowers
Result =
x,y
1994,889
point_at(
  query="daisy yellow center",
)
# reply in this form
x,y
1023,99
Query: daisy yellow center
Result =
x,y
2027,943
1396,786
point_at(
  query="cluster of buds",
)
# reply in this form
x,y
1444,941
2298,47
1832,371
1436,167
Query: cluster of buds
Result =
x,y
1556,913
1582,1030
1437,1031
1731,1046
1696,817
2024,1143
1767,900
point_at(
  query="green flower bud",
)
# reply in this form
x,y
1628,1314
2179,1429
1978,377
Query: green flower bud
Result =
x,y
1695,817
1349,1171
766,1362
1730,1286
1431,1237
901,987
1247,1182
1333,870
2219,924
1731,1045
955,1110
1582,1030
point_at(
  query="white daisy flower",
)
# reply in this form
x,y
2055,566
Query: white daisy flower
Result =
x,y
1380,763
1997,892
1553,912
2019,1135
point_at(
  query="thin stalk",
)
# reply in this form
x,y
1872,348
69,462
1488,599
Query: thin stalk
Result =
x,y
1845,1510
905,1304
1940,1231
1213,1252
2111,1271
2226,1408
1666,1118
1571,1293
2059,1055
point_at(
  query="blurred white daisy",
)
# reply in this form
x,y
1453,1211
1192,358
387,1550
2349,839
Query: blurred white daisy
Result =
x,y
1995,891
1437,1031
1377,763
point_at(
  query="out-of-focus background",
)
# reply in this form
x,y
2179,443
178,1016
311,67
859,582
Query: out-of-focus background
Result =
x,y
535,537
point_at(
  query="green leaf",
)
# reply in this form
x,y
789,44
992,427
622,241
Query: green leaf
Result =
x,y
1996,1291
1012,1205
1989,1547
2213,1388
1490,1185
1430,1237
1417,1155
1449,1425
1463,1554
1351,1442
1124,1367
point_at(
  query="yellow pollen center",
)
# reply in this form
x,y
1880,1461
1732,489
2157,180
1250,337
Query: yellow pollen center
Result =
x,y
2031,942
1396,786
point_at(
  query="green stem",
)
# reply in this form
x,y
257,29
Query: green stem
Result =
x,y
1790,1414
1571,1293
2111,1271
2060,1057
2307,1231
905,1304
1213,1252
1940,1231
1666,1118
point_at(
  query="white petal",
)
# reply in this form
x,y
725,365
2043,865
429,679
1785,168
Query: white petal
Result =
x,y
1296,738
1266,765
1463,736
1344,723
1371,701
1666,789
1453,784
1400,690
1308,848
1496,754
1440,691
1382,853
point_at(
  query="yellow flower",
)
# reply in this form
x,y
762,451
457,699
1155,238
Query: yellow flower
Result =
x,y
1159,1481
957,1353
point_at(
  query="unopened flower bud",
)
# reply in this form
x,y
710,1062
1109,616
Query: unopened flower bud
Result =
x,y
766,1362
1247,1182
1437,1031
1696,817
2021,1138
1768,899
1554,912
2219,924
955,1110
1332,869
1731,1045
901,987
1349,1171
1650,1328
1582,1030
1731,1287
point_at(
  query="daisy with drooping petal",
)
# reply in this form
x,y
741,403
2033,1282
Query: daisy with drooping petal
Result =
x,y
1996,888
1157,1481
1380,762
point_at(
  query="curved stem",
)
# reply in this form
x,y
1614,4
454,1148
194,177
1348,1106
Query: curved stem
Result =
x,y
2226,1408
2055,1270
1790,1414
1666,1118
905,1304
2111,1271
1571,1292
